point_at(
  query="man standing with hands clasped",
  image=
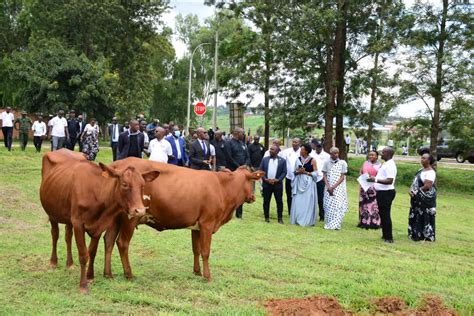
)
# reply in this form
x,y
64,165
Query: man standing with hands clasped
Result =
x,y
200,152
275,171
385,187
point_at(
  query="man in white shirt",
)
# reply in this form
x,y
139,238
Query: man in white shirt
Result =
x,y
348,143
321,157
159,148
291,155
277,143
385,187
39,131
7,118
58,131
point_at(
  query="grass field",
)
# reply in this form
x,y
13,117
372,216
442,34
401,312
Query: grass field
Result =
x,y
251,261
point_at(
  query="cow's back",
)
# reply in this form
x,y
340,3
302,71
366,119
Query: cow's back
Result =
x,y
61,171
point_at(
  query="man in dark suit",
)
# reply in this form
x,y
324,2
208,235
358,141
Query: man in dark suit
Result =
x,y
114,132
178,147
80,121
200,152
131,143
275,171
74,130
237,155
221,150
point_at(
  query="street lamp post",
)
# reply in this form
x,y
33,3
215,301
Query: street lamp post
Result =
x,y
189,86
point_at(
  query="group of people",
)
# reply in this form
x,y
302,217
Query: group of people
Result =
x,y
314,181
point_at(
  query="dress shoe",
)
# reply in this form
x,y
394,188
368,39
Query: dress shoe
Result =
x,y
280,221
267,220
388,241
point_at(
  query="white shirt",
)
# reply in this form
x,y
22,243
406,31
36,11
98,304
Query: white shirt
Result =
x,y
89,129
58,124
7,119
146,139
39,128
272,168
178,147
291,156
429,175
320,161
390,143
115,133
387,171
160,150
348,140
212,149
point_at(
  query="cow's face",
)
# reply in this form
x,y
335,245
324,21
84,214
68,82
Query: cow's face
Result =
x,y
131,183
251,177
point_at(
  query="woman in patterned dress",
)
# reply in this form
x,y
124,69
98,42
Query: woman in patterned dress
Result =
x,y
90,140
368,209
421,219
335,196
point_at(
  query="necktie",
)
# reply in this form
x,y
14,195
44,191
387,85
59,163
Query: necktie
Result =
x,y
203,148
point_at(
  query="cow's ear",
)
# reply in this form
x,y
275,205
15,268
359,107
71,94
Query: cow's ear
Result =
x,y
151,175
107,171
256,175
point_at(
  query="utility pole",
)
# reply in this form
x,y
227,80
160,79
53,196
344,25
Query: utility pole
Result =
x,y
214,113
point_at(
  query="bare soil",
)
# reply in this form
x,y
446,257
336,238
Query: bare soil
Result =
x,y
321,305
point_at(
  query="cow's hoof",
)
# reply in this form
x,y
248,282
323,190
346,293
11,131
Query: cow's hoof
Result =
x,y
70,267
108,275
90,280
198,273
208,279
129,277
84,290
53,265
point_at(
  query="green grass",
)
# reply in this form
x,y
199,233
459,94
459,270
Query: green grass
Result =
x,y
251,122
251,261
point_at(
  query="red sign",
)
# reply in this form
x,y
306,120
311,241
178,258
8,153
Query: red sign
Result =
x,y
200,109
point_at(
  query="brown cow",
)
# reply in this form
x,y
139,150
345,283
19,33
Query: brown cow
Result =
x,y
87,197
201,200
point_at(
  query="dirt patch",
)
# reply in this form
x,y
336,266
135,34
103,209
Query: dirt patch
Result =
x,y
314,306
321,305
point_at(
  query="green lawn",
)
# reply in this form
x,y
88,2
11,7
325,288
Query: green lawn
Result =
x,y
251,261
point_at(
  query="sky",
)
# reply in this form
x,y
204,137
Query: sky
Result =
x,y
197,7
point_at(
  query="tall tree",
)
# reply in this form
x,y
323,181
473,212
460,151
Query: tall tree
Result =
x,y
438,62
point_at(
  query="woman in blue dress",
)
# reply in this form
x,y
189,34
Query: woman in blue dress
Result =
x,y
305,196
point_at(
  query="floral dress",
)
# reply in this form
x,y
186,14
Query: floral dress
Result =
x,y
368,208
90,144
421,219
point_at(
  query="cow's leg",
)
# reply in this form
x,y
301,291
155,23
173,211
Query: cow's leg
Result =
x,y
205,237
109,240
123,242
196,251
79,235
53,262
69,261
92,252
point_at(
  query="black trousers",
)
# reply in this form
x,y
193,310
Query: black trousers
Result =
x,y
277,191
289,197
38,141
71,143
114,146
7,136
238,211
320,185
384,201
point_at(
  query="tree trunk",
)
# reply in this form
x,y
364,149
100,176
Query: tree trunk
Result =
x,y
266,93
439,82
330,102
339,50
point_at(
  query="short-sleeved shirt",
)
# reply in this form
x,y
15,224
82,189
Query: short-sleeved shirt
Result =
x,y
58,124
25,124
160,150
7,119
429,175
320,161
39,128
330,163
387,171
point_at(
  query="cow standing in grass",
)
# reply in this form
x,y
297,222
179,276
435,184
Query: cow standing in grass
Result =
x,y
202,201
87,197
